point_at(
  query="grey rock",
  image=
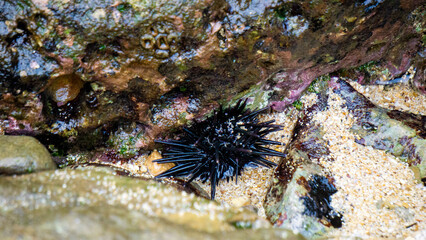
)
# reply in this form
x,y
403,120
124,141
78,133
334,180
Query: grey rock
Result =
x,y
23,154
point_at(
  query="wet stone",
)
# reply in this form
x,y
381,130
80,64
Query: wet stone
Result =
x,y
23,154
65,88
399,133
288,205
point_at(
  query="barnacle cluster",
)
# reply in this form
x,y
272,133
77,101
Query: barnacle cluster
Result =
x,y
221,146
161,38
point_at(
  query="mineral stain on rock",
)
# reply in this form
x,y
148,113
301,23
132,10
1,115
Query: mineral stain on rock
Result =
x,y
318,200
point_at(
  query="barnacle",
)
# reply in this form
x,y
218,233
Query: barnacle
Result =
x,y
160,39
147,41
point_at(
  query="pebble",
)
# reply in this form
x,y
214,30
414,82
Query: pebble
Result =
x,y
23,154
156,168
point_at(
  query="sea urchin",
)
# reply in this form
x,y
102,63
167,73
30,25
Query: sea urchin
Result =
x,y
221,146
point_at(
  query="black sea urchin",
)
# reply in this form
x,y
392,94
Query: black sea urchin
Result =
x,y
221,146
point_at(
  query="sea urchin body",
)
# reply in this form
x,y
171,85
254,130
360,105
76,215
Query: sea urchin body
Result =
x,y
221,146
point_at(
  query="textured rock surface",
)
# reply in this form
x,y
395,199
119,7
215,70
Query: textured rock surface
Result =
x,y
22,154
93,204
139,58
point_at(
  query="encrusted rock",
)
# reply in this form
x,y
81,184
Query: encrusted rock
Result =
x,y
346,156
139,53
402,134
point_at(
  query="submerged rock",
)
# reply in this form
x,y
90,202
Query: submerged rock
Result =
x,y
95,203
286,203
334,130
23,154
402,134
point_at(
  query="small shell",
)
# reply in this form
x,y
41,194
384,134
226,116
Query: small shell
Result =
x,y
153,31
172,39
161,28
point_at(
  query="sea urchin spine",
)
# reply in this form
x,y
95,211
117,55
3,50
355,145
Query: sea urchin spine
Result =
x,y
221,146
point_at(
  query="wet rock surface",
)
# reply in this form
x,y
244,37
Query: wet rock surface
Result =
x,y
135,61
285,203
23,154
95,203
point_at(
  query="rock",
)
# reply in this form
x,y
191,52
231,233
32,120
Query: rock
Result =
x,y
23,154
209,50
20,112
23,61
292,208
93,203
287,201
